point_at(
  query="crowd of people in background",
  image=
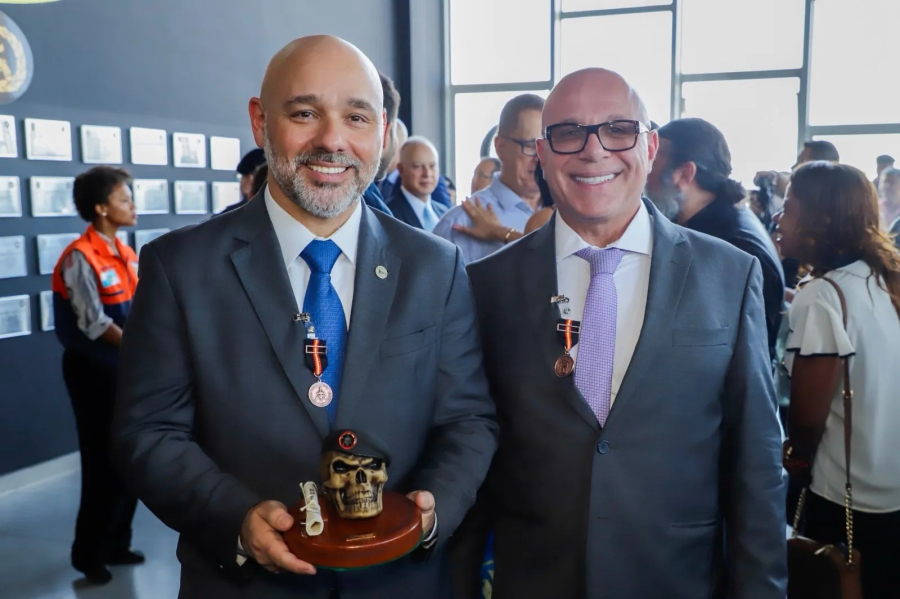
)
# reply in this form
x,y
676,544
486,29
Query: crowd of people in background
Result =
x,y
818,220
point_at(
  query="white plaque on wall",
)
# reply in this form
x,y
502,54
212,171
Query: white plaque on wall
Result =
x,y
48,140
15,316
47,319
101,145
52,196
189,150
142,238
12,257
224,153
190,197
10,197
225,194
9,147
148,146
50,248
151,196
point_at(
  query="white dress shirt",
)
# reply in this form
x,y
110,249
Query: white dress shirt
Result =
x,y
420,207
293,238
632,280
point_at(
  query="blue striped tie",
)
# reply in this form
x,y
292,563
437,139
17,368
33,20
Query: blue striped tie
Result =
x,y
324,306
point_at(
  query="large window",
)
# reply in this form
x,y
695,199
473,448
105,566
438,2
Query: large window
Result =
x,y
769,73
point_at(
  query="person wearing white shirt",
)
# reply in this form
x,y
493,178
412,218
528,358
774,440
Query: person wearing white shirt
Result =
x,y
411,202
830,224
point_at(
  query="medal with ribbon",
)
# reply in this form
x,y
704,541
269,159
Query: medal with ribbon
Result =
x,y
567,330
316,356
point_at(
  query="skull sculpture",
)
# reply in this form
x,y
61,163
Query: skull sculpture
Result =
x,y
353,475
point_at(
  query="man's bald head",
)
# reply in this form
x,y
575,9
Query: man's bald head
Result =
x,y
595,81
419,167
347,59
597,190
320,118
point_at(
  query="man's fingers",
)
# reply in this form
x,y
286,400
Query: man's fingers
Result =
x,y
276,515
283,559
463,229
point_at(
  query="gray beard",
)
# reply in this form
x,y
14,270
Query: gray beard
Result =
x,y
322,200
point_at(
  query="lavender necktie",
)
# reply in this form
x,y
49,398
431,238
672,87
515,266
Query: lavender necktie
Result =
x,y
597,345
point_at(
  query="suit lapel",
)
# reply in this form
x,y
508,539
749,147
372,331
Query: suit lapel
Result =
x,y
372,299
260,267
540,282
401,208
669,266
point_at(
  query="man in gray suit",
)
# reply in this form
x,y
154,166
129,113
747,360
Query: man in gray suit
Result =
x,y
641,458
219,418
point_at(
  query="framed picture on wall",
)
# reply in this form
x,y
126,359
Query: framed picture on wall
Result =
x,y
151,196
48,140
9,147
189,150
12,257
15,316
224,194
190,197
224,153
50,248
47,321
101,145
52,196
142,238
148,146
10,197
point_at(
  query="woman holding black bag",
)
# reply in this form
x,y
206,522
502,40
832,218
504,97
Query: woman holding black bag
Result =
x,y
845,334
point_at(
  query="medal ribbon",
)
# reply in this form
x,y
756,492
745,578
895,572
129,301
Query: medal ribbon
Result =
x,y
315,356
567,330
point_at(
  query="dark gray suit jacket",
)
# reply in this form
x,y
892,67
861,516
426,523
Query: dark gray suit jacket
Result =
x,y
680,495
402,211
213,417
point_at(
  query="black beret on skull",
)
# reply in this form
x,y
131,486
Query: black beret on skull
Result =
x,y
355,443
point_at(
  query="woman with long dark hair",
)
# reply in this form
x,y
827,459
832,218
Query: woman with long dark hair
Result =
x,y
831,226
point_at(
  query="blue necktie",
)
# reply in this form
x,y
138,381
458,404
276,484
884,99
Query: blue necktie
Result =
x,y
324,306
429,219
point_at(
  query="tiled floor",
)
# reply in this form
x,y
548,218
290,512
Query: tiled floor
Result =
x,y
36,527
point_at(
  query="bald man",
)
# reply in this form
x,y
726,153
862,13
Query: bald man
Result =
x,y
219,413
640,451
411,200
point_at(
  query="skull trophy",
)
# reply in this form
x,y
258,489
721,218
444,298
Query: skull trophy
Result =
x,y
354,471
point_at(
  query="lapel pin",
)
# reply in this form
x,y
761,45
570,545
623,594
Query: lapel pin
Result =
x,y
381,272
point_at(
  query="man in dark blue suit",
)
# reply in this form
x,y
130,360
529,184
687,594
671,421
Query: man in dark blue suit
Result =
x,y
411,200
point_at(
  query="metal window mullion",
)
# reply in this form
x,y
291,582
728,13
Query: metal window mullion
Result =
x,y
517,86
675,97
873,129
609,12
742,75
803,128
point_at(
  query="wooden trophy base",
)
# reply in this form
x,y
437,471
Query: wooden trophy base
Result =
x,y
350,544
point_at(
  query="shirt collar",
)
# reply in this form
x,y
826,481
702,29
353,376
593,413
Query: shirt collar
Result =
x,y
293,236
506,197
637,238
417,205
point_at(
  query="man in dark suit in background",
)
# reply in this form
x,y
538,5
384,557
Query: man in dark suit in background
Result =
x,y
372,196
215,424
643,457
411,200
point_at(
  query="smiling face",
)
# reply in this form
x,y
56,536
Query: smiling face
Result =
x,y
596,186
323,134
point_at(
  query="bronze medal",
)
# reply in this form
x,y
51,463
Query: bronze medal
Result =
x,y
320,394
564,366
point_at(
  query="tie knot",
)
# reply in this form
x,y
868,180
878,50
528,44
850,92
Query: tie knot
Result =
x,y
321,255
602,261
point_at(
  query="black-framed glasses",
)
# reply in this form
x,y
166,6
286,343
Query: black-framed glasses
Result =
x,y
528,146
614,136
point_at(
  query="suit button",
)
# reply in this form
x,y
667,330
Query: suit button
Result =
x,y
603,446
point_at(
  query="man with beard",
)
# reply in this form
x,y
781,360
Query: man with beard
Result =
x,y
691,184
220,416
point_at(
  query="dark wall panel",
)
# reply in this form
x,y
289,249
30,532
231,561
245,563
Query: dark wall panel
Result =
x,y
170,64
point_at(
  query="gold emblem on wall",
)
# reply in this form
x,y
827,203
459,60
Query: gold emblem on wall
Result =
x,y
16,62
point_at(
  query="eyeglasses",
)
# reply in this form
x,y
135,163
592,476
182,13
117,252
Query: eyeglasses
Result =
x,y
614,136
528,146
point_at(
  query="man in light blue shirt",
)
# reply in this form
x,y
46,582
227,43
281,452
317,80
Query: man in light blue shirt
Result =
x,y
513,194
411,201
